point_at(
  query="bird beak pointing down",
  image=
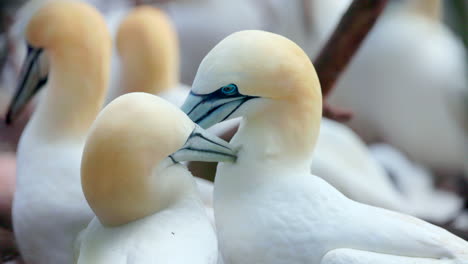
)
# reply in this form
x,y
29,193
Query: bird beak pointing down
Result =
x,y
202,146
33,76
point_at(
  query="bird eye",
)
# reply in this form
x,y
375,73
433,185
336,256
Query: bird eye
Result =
x,y
229,89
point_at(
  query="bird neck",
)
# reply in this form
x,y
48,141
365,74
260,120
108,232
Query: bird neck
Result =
x,y
75,93
285,132
152,71
148,82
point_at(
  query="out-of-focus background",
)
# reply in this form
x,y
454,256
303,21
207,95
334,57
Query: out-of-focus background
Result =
x,y
407,85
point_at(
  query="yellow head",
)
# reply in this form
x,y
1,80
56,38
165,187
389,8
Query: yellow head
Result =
x,y
260,64
264,77
149,50
75,40
61,24
130,163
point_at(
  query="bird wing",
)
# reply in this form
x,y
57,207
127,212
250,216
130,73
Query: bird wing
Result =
x,y
385,231
353,256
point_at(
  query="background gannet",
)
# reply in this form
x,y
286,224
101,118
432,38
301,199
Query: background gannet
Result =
x,y
49,208
401,84
416,184
146,203
379,176
342,159
148,52
268,207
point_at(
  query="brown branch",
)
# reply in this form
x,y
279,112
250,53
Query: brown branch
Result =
x,y
343,44
345,41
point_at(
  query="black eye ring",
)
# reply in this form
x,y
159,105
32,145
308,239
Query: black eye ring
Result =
x,y
229,89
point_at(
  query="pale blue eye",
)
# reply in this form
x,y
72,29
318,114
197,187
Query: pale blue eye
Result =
x,y
229,89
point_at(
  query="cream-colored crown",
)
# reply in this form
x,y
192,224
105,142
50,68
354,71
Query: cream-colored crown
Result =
x,y
128,140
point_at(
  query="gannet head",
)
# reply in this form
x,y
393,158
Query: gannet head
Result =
x,y
57,30
130,160
267,79
148,47
247,72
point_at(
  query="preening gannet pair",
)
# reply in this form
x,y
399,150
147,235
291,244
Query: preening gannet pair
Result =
x,y
268,207
267,201
72,41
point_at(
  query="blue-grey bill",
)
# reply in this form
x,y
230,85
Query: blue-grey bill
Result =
x,y
203,146
207,111
33,77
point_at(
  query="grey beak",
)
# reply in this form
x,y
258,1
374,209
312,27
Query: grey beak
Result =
x,y
207,110
202,146
33,77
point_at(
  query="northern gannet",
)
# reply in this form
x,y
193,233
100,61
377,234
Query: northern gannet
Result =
x,y
402,82
148,51
268,207
146,203
49,208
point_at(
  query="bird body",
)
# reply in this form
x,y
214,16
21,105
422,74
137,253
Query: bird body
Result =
x,y
180,234
146,202
268,207
291,216
49,208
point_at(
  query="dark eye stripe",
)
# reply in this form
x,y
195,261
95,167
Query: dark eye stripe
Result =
x,y
214,96
219,99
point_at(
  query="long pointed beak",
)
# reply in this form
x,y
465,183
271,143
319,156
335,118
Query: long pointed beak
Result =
x,y
207,110
33,76
202,146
